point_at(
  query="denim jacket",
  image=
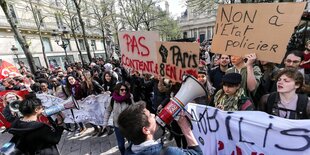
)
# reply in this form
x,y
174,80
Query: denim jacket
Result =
x,y
158,149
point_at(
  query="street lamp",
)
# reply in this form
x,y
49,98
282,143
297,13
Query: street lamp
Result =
x,y
93,46
15,52
63,37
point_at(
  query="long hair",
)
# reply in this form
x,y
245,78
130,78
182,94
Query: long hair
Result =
x,y
88,79
118,86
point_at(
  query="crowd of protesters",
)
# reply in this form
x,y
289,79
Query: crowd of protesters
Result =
x,y
232,82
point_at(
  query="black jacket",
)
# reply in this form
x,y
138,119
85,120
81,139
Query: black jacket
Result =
x,y
35,137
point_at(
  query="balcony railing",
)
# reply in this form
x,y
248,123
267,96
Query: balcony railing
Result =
x,y
47,26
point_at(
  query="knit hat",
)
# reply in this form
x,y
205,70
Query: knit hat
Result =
x,y
232,78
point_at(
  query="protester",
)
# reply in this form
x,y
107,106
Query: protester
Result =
x,y
232,96
58,89
286,102
251,74
8,83
139,126
90,86
109,82
204,81
306,62
76,91
216,74
121,99
136,85
147,86
44,89
31,136
10,98
294,59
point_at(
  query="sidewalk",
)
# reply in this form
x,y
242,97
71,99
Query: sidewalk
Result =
x,y
70,144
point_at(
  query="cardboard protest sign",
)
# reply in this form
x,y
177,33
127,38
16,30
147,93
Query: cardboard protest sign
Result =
x,y
138,50
261,28
241,133
176,58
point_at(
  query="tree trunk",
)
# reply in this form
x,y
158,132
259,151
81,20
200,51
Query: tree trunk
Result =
x,y
43,50
78,11
77,45
104,43
38,24
19,37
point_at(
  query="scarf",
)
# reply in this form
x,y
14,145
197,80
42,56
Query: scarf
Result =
x,y
119,98
228,103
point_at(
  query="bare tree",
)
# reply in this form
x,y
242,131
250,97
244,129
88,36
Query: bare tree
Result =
x,y
39,22
69,17
18,35
134,11
102,14
77,4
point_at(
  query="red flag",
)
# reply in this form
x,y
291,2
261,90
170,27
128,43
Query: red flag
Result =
x,y
7,69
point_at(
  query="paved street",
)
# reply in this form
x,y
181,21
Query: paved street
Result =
x,y
70,144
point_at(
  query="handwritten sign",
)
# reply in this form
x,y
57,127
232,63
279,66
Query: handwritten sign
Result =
x,y
241,133
176,58
264,29
138,51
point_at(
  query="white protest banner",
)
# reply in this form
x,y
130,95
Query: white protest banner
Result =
x,y
138,50
261,28
176,58
91,110
248,132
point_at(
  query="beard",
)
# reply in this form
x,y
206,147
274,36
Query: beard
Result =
x,y
307,49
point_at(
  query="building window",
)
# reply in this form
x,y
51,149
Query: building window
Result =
x,y
36,60
184,35
59,20
59,61
82,45
85,58
13,14
209,32
93,44
40,18
17,45
68,48
47,44
88,22
76,23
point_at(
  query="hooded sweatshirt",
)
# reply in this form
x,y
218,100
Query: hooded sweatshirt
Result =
x,y
35,137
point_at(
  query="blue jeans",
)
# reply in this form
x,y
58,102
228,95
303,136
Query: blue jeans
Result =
x,y
120,140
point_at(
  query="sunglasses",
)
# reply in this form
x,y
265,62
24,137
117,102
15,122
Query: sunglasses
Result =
x,y
123,89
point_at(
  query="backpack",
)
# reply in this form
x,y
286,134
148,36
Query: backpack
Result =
x,y
301,109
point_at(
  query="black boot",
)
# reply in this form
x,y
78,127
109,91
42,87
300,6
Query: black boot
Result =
x,y
102,131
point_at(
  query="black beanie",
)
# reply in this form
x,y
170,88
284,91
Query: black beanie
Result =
x,y
232,78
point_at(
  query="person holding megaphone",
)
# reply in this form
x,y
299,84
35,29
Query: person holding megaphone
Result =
x,y
139,126
31,136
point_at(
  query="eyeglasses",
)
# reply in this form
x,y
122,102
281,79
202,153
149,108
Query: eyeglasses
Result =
x,y
123,89
292,61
